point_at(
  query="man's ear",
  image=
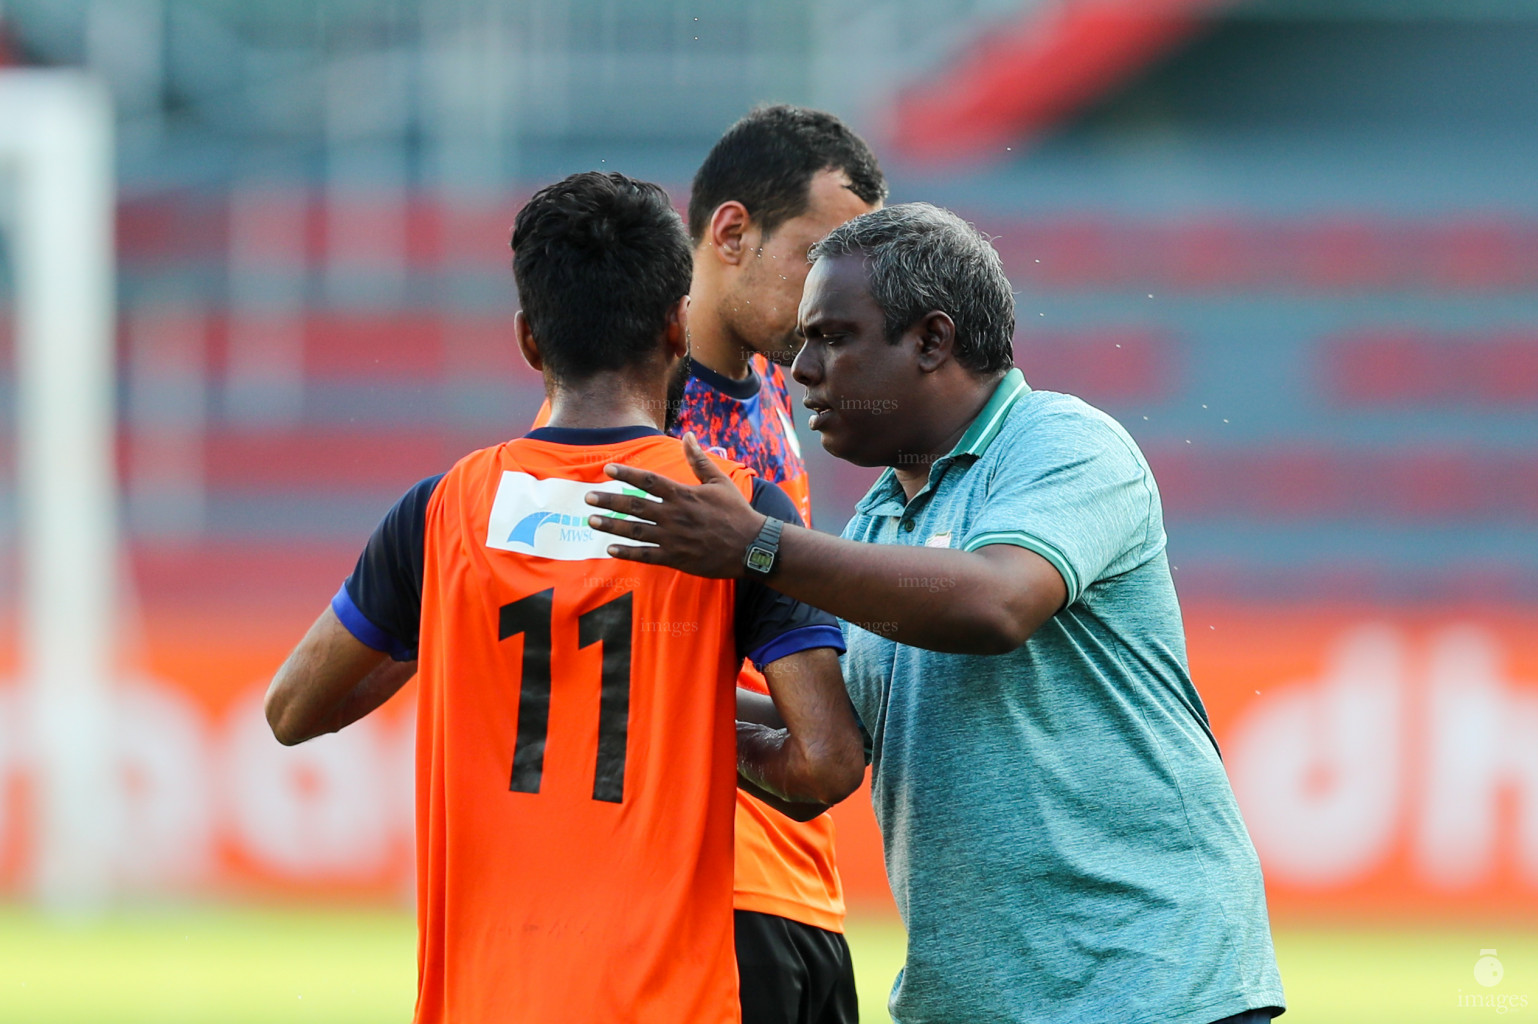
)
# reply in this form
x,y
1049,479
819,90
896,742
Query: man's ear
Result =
x,y
676,334
526,343
936,338
726,233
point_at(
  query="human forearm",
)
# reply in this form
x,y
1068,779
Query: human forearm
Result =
x,y
987,601
369,694
329,680
941,600
805,748
763,770
758,708
769,769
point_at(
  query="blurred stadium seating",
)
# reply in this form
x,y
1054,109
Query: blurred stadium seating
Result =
x,y
1289,244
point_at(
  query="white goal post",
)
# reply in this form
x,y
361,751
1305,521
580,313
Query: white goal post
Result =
x,y
56,152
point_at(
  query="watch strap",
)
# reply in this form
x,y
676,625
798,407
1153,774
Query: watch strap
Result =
x,y
764,551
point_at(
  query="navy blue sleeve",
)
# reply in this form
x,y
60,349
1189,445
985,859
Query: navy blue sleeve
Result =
x,y
770,625
381,602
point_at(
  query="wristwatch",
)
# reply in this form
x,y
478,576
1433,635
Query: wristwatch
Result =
x,y
761,553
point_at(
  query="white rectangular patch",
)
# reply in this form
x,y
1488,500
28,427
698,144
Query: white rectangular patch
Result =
x,y
547,517
939,540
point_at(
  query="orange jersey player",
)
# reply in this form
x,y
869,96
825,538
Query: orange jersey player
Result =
x,y
577,752
775,182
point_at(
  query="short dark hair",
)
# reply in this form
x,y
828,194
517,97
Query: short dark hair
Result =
x,y
920,258
599,260
767,160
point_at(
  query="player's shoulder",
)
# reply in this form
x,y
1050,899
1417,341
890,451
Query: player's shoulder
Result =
x,y
471,463
740,474
657,453
664,452
768,370
666,455
772,374
456,485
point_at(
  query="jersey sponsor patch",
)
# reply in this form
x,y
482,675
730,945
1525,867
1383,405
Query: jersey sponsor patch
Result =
x,y
546,517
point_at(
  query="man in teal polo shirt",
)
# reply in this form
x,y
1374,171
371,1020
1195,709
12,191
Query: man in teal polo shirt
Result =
x,y
1060,835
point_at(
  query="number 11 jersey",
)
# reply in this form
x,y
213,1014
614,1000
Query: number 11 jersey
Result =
x,y
576,754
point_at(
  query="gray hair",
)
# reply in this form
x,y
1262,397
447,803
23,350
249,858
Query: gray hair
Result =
x,y
920,258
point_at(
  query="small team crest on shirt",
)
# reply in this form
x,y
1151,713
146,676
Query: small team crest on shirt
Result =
x,y
547,517
939,540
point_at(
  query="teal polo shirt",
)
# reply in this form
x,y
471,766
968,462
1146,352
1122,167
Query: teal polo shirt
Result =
x,y
1060,835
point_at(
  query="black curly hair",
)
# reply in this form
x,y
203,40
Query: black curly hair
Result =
x,y
599,259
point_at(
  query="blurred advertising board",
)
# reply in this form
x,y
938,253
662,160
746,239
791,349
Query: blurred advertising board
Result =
x,y
1386,763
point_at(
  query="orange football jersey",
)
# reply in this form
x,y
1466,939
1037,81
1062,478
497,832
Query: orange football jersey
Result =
x,y
576,755
783,867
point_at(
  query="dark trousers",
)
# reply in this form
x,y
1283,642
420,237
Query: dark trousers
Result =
x,y
792,973
1248,1017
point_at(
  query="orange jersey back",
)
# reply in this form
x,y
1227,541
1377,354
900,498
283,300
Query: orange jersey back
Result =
x,y
576,755
784,867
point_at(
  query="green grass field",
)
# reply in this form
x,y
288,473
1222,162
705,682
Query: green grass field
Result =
x,y
246,966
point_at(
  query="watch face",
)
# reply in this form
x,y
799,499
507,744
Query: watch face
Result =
x,y
760,559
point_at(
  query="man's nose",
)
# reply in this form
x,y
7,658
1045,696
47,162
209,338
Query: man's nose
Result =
x,y
805,369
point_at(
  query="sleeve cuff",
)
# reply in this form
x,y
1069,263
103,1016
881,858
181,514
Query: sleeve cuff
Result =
x,y
803,638
1024,540
364,631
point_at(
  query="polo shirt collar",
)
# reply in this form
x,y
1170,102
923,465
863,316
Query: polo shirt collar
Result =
x,y
991,420
979,435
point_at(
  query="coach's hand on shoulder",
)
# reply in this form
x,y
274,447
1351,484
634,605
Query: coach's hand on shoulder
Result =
x,y
702,530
